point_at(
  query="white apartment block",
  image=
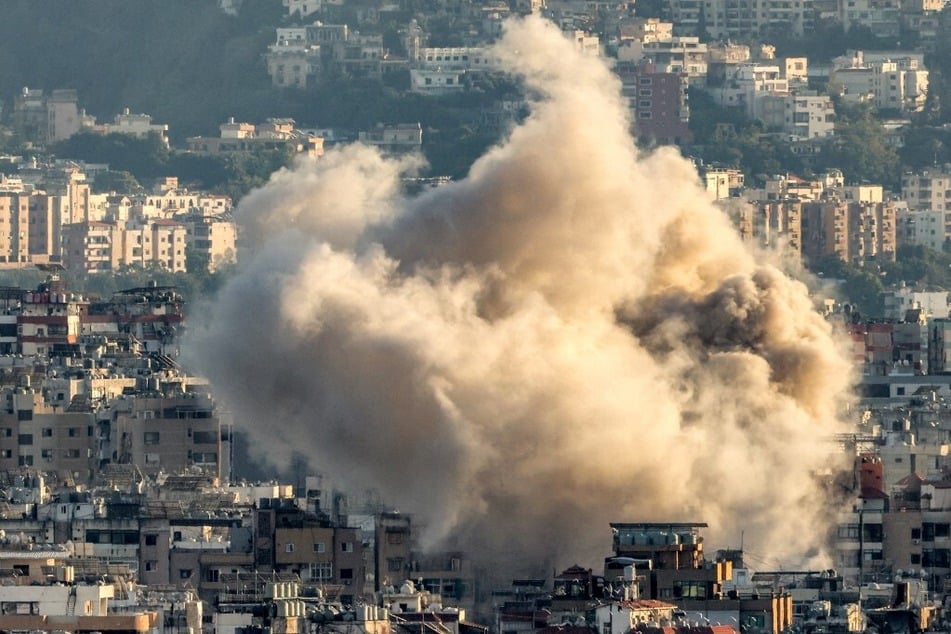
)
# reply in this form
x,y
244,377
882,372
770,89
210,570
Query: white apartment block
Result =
x,y
441,70
900,84
745,86
137,125
427,81
802,117
453,58
928,190
902,299
930,228
687,55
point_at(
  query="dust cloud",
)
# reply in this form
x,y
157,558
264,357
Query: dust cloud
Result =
x,y
570,336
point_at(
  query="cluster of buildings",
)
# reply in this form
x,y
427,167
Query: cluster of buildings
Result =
x,y
823,216
119,510
50,216
694,44
44,118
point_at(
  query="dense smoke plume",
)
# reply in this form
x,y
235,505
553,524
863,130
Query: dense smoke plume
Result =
x,y
570,336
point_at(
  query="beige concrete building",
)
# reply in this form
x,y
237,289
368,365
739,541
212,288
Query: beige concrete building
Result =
x,y
247,137
854,232
929,189
215,239
96,247
47,438
43,118
173,434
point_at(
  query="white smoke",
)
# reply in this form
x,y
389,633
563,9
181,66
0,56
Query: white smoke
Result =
x,y
570,336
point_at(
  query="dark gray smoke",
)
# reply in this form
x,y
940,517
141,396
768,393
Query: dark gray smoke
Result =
x,y
570,336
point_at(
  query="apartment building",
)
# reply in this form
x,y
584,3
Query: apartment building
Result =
x,y
49,322
14,226
747,83
444,69
742,19
127,122
882,17
173,433
45,437
96,247
393,545
679,573
293,64
722,182
852,231
679,55
273,134
288,539
659,105
799,116
398,138
46,118
929,189
899,83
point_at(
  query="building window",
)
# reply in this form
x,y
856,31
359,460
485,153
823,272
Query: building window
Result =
x,y
25,439
288,548
151,438
185,573
322,571
47,432
690,590
151,540
151,564
346,547
318,547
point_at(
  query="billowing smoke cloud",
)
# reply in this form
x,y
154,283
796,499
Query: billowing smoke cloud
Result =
x,y
571,336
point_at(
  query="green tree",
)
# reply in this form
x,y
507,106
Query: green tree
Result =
x,y
145,158
860,149
115,181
